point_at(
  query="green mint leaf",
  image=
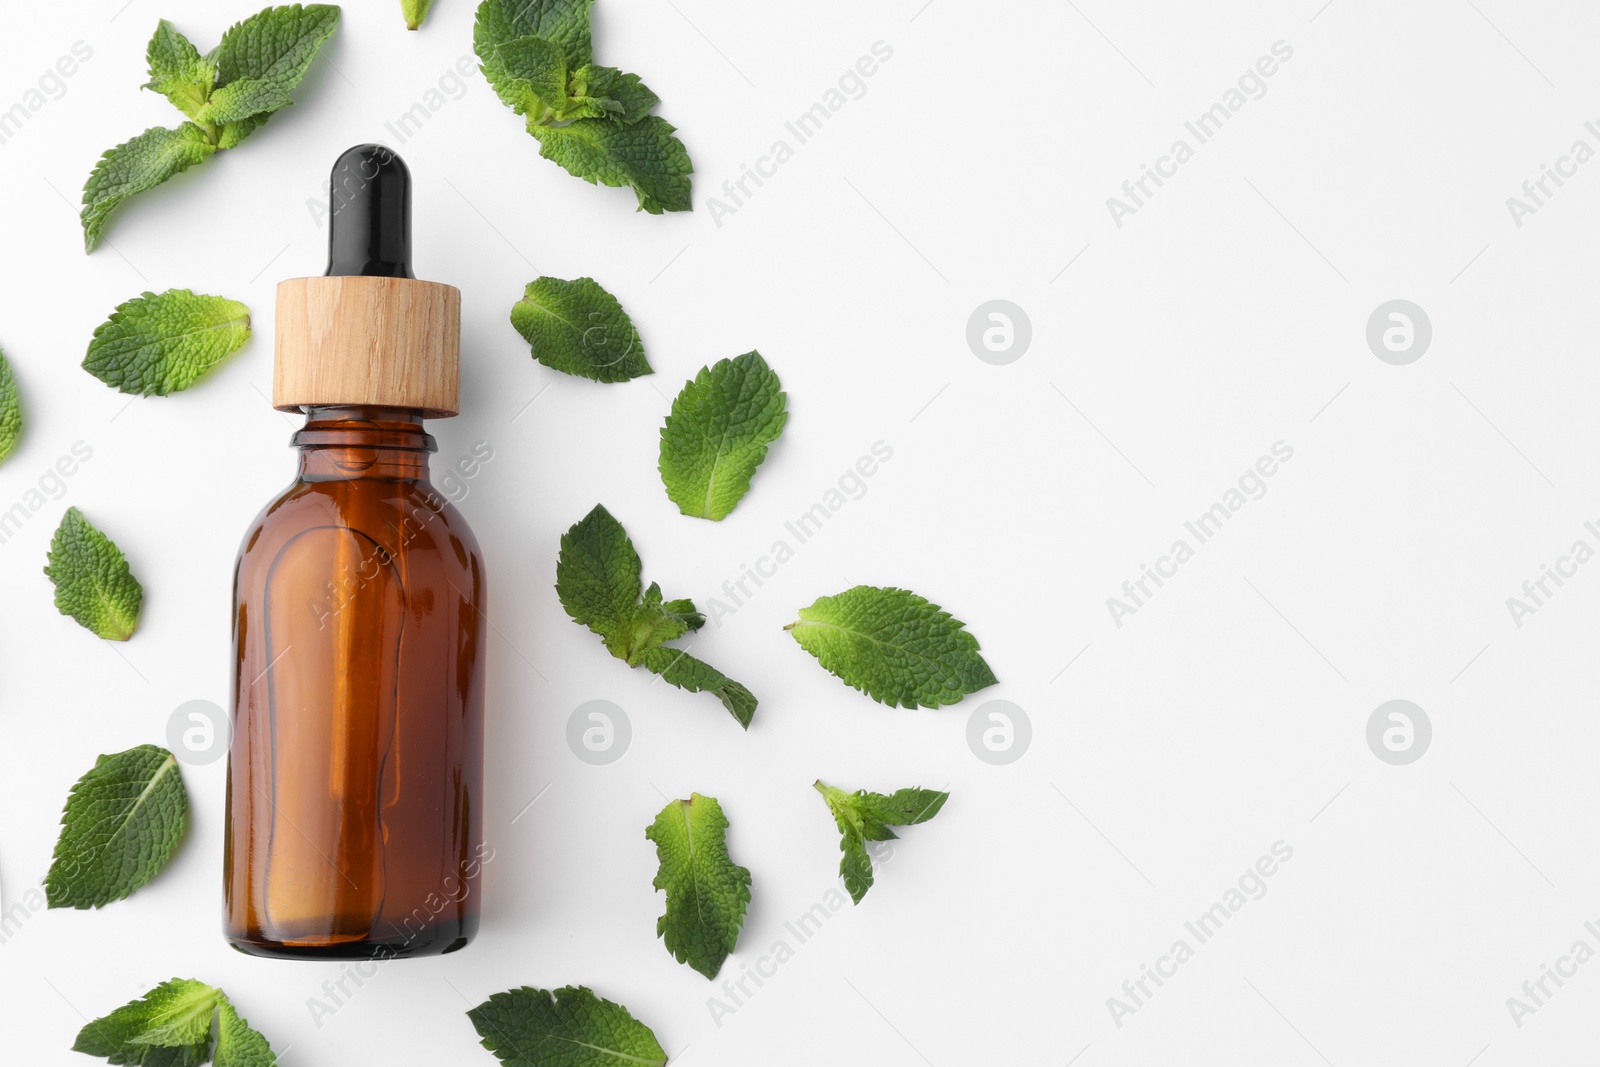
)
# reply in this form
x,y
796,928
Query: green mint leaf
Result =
x,y
123,822
863,816
644,156
170,1026
136,165
894,646
563,22
597,578
608,93
415,12
717,434
234,132
177,70
237,1044
706,891
567,1027
529,74
678,668
243,99
598,582
578,328
11,410
155,345
275,46
92,579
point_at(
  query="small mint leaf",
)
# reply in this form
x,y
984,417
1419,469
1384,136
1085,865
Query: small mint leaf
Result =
x,y
123,822
93,583
894,646
154,345
567,1027
717,434
707,893
578,328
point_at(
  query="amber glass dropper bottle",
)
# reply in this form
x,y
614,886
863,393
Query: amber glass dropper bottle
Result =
x,y
355,778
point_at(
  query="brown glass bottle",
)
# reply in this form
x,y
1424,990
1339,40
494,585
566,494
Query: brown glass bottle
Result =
x,y
355,777
357,759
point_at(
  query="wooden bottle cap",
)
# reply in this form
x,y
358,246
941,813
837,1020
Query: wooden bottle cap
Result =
x,y
363,340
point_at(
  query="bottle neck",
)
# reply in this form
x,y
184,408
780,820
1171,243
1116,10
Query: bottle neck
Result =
x,y
345,443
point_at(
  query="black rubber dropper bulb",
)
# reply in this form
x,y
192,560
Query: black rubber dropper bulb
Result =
x,y
369,227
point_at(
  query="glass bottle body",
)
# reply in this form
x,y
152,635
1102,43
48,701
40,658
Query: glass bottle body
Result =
x,y
354,819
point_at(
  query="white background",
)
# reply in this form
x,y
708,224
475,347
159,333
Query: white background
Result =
x,y
1228,714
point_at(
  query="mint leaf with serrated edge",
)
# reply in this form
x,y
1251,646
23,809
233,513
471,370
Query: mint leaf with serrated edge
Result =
x,y
229,93
717,434
645,156
598,582
155,345
565,22
707,893
170,1026
93,583
566,1027
863,816
415,12
578,328
592,120
10,409
136,165
238,1045
177,69
275,46
894,646
123,823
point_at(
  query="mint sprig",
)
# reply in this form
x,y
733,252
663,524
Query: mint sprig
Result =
x,y
894,646
862,816
123,822
580,329
707,893
593,120
155,344
93,582
170,1026
566,1027
10,410
598,582
717,434
226,94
